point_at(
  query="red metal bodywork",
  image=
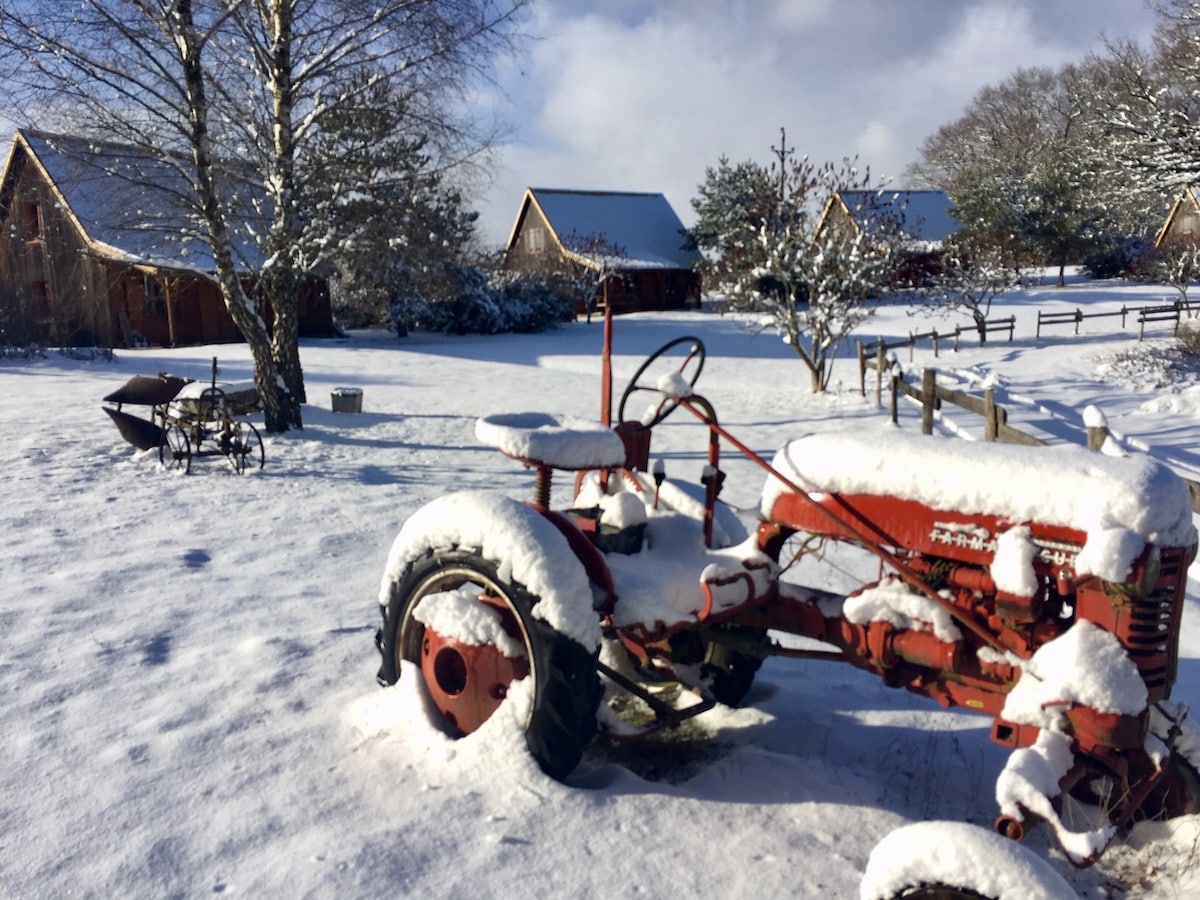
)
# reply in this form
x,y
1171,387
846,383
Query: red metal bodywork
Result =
x,y
944,555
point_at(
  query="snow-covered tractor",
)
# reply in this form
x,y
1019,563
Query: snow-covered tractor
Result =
x,y
1042,587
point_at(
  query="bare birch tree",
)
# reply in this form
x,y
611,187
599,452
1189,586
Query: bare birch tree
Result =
x,y
254,81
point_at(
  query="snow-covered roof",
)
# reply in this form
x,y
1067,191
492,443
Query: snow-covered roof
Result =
x,y
922,215
130,204
643,226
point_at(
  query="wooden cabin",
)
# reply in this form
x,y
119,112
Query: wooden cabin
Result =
x,y
636,236
1183,221
100,245
924,221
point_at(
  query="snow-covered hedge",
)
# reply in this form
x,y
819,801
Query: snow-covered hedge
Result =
x,y
475,302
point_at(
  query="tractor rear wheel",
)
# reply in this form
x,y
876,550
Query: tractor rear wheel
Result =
x,y
476,636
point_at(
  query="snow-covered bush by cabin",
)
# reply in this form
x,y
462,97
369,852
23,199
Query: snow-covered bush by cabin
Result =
x,y
474,301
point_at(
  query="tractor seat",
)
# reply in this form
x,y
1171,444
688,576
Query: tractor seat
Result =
x,y
540,440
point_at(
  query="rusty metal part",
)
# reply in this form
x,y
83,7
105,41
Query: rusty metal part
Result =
x,y
142,390
142,433
665,715
466,682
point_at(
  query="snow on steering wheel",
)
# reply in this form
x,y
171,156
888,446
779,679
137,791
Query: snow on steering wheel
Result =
x,y
671,385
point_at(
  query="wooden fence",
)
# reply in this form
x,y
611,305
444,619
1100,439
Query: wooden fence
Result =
x,y
1145,315
932,395
873,354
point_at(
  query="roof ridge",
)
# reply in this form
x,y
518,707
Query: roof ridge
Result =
x,y
596,193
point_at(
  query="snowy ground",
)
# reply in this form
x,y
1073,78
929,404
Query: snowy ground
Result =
x,y
187,666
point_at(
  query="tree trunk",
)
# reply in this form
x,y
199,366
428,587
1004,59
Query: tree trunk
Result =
x,y
282,280
244,313
285,345
981,326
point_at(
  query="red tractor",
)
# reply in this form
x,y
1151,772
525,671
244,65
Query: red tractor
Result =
x,y
1042,587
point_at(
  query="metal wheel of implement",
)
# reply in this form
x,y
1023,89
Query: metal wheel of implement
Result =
x,y
175,451
245,447
693,360
211,406
467,681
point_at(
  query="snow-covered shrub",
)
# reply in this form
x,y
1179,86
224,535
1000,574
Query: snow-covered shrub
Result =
x,y
530,304
470,305
1115,257
472,301
1189,339
1175,262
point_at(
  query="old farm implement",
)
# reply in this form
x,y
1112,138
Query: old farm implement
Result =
x,y
189,419
1042,587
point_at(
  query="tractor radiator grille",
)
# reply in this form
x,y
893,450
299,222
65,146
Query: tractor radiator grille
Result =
x,y
1150,630
1151,641
1148,627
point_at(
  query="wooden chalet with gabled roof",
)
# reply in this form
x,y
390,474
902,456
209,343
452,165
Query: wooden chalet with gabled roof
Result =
x,y
637,237
1183,221
923,220
100,245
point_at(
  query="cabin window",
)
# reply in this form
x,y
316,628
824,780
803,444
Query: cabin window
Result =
x,y
535,240
154,302
33,221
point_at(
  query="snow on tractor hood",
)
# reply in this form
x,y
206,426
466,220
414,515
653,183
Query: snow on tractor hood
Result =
x,y
1120,503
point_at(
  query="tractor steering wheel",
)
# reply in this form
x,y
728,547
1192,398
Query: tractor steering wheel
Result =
x,y
667,384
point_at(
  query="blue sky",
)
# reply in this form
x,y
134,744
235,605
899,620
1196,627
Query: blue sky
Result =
x,y
643,94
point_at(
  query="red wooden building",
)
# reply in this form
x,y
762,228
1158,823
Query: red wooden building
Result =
x,y
636,237
100,244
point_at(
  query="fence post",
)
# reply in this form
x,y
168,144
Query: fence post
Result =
x,y
862,368
879,357
912,343
1096,436
1078,318
991,429
935,352
895,398
928,399
1123,313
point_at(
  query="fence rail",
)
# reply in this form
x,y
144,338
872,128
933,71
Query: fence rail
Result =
x,y
1171,312
932,395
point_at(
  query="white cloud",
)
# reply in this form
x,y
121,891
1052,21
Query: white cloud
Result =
x,y
643,96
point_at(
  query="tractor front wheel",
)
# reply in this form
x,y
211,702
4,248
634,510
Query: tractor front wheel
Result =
x,y
473,633
729,672
957,861
1176,794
